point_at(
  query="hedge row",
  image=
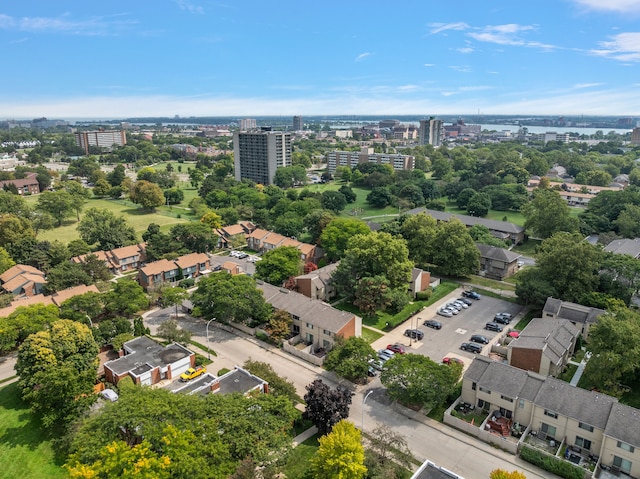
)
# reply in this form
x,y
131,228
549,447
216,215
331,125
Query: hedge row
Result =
x,y
550,463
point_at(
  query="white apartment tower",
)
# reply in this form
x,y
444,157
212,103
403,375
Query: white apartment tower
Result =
x,y
430,132
248,124
258,153
101,138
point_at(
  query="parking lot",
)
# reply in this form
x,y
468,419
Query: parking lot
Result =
x,y
445,342
248,267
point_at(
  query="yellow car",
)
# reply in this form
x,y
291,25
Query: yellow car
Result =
x,y
192,373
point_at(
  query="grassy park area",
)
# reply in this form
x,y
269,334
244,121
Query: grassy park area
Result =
x,y
26,451
165,216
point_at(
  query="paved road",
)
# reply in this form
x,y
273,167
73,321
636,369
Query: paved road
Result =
x,y
427,439
7,364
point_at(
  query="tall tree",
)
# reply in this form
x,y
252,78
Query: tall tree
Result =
x,y
195,237
337,233
56,368
326,406
14,228
340,455
173,296
569,264
417,380
334,201
79,195
350,358
103,227
6,261
419,231
547,214
230,298
58,204
279,264
147,194
454,251
172,332
316,221
126,298
370,255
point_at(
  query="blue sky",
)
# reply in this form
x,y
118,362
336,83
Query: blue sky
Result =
x,y
68,59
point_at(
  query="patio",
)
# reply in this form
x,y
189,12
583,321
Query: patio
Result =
x,y
549,446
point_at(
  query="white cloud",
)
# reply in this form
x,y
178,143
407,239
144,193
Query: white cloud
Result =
x,y
94,26
443,27
580,86
408,88
624,47
429,64
362,56
621,6
465,50
508,34
190,7
461,68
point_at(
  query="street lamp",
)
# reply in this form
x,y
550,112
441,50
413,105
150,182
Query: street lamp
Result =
x,y
363,401
208,348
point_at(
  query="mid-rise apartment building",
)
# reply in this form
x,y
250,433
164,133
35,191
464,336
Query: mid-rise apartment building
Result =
x,y
257,154
635,136
430,132
366,155
248,124
100,138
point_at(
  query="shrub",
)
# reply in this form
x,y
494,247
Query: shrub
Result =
x,y
424,295
551,463
187,283
262,336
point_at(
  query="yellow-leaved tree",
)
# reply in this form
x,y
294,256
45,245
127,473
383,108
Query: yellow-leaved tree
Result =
x,y
502,474
340,455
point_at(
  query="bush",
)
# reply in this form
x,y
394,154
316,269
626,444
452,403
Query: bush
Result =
x,y
551,463
262,336
187,283
424,295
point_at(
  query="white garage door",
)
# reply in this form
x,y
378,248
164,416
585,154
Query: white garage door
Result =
x,y
179,367
145,379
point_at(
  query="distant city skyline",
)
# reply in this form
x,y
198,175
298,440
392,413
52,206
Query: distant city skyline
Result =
x,y
72,59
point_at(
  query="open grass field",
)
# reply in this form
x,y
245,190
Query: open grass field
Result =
x,y
137,217
26,451
514,217
298,461
360,208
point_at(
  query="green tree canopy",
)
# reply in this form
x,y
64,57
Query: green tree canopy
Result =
x,y
58,204
147,194
547,214
279,264
419,231
373,254
417,380
230,298
350,358
454,250
337,233
103,227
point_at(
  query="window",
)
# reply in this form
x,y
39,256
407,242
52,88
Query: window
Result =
x,y
482,404
586,427
484,390
583,443
626,447
474,386
549,430
506,398
521,403
552,414
309,326
623,464
295,318
326,332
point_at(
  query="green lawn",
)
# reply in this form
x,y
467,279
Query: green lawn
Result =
x,y
528,248
491,283
299,458
370,335
137,217
360,208
510,216
25,449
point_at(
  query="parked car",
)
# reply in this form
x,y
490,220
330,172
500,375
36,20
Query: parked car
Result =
x,y
461,304
505,315
471,294
466,301
445,312
371,372
471,347
432,323
514,334
192,373
242,255
451,309
109,395
414,333
520,264
453,305
449,360
478,338
397,348
493,327
499,318
376,364
385,354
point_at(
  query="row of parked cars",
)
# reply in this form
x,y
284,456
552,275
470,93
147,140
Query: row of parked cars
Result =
x,y
454,307
242,255
498,320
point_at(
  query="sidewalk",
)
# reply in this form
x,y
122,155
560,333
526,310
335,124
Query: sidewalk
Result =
x,y
300,438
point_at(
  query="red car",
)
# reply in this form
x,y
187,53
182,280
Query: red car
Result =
x,y
452,361
397,348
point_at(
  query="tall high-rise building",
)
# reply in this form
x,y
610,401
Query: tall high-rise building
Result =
x,y
258,153
430,132
248,124
635,136
101,138
298,125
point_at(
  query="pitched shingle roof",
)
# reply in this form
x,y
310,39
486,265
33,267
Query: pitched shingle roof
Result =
x,y
553,336
498,254
624,424
574,312
629,247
